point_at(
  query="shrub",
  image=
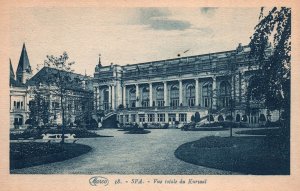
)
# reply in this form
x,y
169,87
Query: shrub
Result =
x,y
197,117
244,118
210,118
238,118
188,126
220,118
273,124
166,126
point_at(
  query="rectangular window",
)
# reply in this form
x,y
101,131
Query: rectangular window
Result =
x,y
142,118
121,119
150,117
69,107
160,103
18,105
126,118
182,117
133,117
161,117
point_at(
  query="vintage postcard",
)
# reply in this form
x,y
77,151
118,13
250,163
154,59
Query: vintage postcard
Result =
x,y
133,95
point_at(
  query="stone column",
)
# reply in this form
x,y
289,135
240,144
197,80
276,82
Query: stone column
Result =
x,y
124,95
180,92
200,93
197,92
109,96
150,95
99,103
166,93
95,98
214,89
137,95
113,101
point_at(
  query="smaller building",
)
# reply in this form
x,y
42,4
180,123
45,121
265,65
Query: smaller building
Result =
x,y
24,87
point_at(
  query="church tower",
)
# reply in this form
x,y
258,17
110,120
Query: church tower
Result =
x,y
12,73
24,71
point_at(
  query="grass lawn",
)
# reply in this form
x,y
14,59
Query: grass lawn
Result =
x,y
248,155
265,131
37,133
28,154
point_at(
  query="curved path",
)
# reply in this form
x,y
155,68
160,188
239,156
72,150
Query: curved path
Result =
x,y
151,153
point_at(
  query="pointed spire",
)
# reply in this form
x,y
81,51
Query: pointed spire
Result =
x,y
99,62
12,74
24,65
24,71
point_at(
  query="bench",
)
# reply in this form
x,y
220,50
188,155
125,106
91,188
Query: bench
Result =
x,y
58,136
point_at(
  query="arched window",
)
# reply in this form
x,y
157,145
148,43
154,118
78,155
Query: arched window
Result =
x,y
145,97
132,98
160,96
224,94
105,99
207,94
174,96
190,95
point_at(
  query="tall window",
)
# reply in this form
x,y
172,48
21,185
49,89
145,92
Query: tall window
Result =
x,y
142,118
161,117
145,97
174,96
151,117
207,94
132,98
190,95
160,96
224,94
182,117
133,117
105,99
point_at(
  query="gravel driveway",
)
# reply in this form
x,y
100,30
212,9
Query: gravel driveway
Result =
x,y
151,153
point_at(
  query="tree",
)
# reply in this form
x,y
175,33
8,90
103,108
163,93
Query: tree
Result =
x,y
271,48
60,81
39,109
197,117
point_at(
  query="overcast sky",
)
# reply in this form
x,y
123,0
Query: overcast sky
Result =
x,y
126,35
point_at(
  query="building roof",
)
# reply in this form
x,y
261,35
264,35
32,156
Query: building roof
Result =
x,y
46,75
24,65
12,74
12,80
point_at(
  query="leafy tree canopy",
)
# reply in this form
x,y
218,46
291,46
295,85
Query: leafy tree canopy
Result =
x,y
271,48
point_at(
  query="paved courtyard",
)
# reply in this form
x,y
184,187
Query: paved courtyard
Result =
x,y
151,153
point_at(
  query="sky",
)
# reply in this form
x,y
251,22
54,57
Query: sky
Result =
x,y
126,35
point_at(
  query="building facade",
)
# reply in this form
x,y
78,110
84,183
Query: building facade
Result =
x,y
172,91
24,86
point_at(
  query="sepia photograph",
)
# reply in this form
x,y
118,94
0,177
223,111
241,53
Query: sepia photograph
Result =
x,y
149,90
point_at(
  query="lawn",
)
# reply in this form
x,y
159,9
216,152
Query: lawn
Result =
x,y
265,131
268,155
37,133
28,154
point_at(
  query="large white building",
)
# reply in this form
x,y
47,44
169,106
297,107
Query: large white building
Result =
x,y
171,91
